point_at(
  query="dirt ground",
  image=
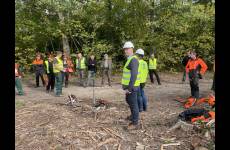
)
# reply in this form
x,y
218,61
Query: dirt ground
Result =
x,y
44,122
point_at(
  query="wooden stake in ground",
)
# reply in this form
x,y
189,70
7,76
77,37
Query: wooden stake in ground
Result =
x,y
170,144
94,101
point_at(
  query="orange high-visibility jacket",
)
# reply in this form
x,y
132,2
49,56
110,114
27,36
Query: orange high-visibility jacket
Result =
x,y
37,62
70,65
17,72
193,64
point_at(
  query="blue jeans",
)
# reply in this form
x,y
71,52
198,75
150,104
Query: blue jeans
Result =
x,y
131,99
91,77
65,78
142,100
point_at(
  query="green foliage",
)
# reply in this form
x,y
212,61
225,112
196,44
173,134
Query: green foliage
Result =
x,y
170,27
24,57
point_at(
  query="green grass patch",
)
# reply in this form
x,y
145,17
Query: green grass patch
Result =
x,y
19,104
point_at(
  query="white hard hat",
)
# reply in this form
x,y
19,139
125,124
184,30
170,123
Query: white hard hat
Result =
x,y
128,45
140,51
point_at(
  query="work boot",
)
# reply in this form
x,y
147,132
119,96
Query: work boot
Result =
x,y
142,115
61,95
132,126
20,94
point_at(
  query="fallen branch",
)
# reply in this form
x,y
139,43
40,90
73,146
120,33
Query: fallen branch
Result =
x,y
41,124
23,113
168,139
20,125
172,114
119,147
109,140
92,137
140,146
170,144
111,132
148,135
210,122
181,124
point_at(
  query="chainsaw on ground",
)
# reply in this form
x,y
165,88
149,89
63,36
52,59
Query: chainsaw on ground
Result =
x,y
73,101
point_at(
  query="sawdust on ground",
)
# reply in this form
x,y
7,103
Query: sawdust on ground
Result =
x,y
45,122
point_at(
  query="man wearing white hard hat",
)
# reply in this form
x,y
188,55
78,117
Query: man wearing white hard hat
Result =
x,y
130,83
141,98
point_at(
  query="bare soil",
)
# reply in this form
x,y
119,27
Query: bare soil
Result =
x,y
44,122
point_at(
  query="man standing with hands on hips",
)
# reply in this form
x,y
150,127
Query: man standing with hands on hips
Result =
x,y
130,83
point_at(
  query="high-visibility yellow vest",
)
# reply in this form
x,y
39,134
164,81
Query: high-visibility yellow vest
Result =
x,y
59,66
152,63
144,70
127,73
47,66
82,63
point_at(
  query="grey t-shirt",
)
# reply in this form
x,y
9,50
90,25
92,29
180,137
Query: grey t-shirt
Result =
x,y
106,64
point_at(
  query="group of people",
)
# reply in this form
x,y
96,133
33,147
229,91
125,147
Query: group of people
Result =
x,y
135,73
57,70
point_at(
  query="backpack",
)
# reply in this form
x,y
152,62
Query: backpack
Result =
x,y
187,115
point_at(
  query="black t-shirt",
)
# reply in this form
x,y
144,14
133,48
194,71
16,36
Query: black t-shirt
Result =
x,y
50,67
185,60
92,65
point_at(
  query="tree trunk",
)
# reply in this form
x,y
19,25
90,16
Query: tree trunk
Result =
x,y
65,42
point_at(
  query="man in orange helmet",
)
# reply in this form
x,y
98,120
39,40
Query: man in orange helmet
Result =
x,y
195,67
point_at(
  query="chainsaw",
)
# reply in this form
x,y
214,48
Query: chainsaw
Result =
x,y
72,100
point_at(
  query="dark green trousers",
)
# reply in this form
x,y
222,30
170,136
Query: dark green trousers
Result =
x,y
58,83
18,85
184,76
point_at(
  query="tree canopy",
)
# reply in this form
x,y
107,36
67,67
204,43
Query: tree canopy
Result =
x,y
166,27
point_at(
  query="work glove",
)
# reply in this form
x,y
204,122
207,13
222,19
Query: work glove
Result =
x,y
127,92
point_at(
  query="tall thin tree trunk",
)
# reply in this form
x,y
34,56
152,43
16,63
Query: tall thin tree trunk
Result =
x,y
65,42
